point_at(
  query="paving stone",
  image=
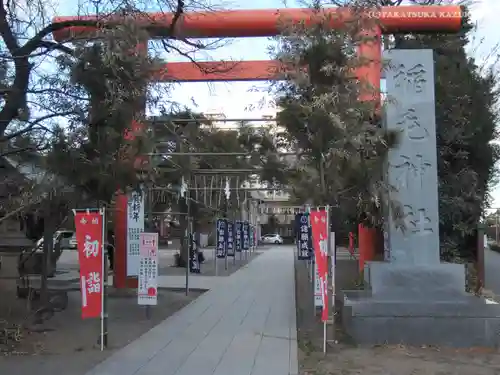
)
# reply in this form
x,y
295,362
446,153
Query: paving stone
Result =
x,y
244,325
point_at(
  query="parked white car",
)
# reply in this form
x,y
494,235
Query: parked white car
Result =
x,y
31,260
67,239
272,238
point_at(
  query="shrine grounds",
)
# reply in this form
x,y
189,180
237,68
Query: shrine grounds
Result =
x,y
68,345
345,358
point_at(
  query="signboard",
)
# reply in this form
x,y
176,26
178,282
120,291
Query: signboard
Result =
x,y
221,238
304,238
230,239
320,245
147,290
245,229
135,226
318,299
194,264
274,210
238,236
90,239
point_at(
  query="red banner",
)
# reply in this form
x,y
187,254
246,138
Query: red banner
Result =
x,y
320,245
89,237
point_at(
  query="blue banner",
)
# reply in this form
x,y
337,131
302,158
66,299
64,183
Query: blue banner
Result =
x,y
251,235
303,236
246,235
230,239
238,236
194,264
221,238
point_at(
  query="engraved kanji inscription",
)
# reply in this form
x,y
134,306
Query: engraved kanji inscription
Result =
x,y
400,216
418,222
412,221
421,166
410,123
412,78
410,171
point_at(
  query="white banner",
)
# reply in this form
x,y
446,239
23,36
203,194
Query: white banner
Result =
x,y
147,290
333,265
135,226
318,296
291,210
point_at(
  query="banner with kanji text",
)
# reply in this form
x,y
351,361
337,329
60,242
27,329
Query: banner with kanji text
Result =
x,y
245,232
320,244
238,243
221,238
89,239
252,235
230,248
147,290
303,236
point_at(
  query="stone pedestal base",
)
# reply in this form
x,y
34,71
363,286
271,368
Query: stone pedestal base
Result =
x,y
430,309
439,281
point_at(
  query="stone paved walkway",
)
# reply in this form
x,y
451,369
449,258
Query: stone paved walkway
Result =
x,y
244,326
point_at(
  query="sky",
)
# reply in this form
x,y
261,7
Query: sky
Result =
x,y
249,99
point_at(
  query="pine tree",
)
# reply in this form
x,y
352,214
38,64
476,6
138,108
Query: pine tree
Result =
x,y
343,145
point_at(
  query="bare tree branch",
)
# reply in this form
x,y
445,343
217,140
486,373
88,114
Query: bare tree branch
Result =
x,y
34,123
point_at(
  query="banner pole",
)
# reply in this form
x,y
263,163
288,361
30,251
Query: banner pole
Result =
x,y
188,239
333,247
241,241
328,255
251,234
254,239
189,245
251,247
215,260
247,226
104,299
310,262
313,273
226,234
216,246
324,337
234,242
225,243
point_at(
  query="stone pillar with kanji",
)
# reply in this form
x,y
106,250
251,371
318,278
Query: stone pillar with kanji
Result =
x,y
412,219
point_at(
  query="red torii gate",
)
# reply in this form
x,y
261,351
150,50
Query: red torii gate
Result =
x,y
263,23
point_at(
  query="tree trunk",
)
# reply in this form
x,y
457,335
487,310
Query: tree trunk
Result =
x,y
322,179
184,237
48,235
184,251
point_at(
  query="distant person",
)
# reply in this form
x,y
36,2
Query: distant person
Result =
x,y
111,249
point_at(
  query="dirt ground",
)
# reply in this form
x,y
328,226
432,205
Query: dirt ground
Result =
x,y
345,358
68,345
